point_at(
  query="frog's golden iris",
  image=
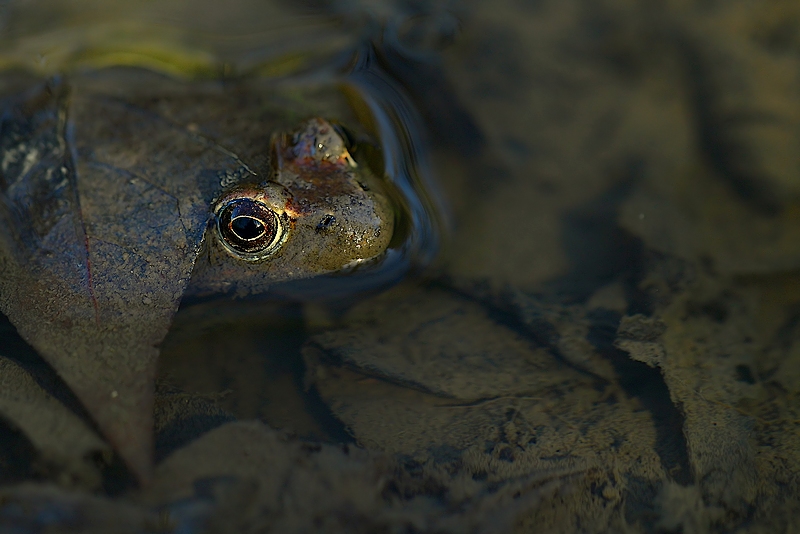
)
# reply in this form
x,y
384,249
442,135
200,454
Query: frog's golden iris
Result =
x,y
248,228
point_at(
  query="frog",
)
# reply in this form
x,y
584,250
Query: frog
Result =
x,y
125,192
319,213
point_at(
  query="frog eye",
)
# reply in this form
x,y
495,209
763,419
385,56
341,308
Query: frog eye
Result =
x,y
248,228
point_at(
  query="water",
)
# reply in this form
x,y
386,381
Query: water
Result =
x,y
591,322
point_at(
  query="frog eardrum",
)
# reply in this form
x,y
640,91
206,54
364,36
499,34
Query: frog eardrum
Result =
x,y
248,228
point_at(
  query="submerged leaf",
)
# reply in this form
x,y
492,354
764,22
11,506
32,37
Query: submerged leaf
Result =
x,y
63,441
102,221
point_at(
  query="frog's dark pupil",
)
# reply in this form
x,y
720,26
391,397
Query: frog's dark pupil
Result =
x,y
247,228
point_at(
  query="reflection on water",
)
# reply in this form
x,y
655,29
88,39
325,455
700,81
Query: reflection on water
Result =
x,y
597,325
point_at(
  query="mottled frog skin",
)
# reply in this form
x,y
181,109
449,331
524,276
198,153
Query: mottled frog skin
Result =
x,y
320,212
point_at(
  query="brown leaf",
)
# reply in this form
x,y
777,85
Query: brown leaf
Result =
x,y
104,206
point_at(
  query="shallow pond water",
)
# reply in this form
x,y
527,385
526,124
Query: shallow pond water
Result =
x,y
595,326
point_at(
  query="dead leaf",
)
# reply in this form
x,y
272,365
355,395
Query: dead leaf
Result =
x,y
102,221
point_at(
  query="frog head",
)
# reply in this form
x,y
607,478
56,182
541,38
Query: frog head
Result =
x,y
319,213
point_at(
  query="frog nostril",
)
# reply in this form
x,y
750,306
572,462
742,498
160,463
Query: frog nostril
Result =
x,y
326,222
248,228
